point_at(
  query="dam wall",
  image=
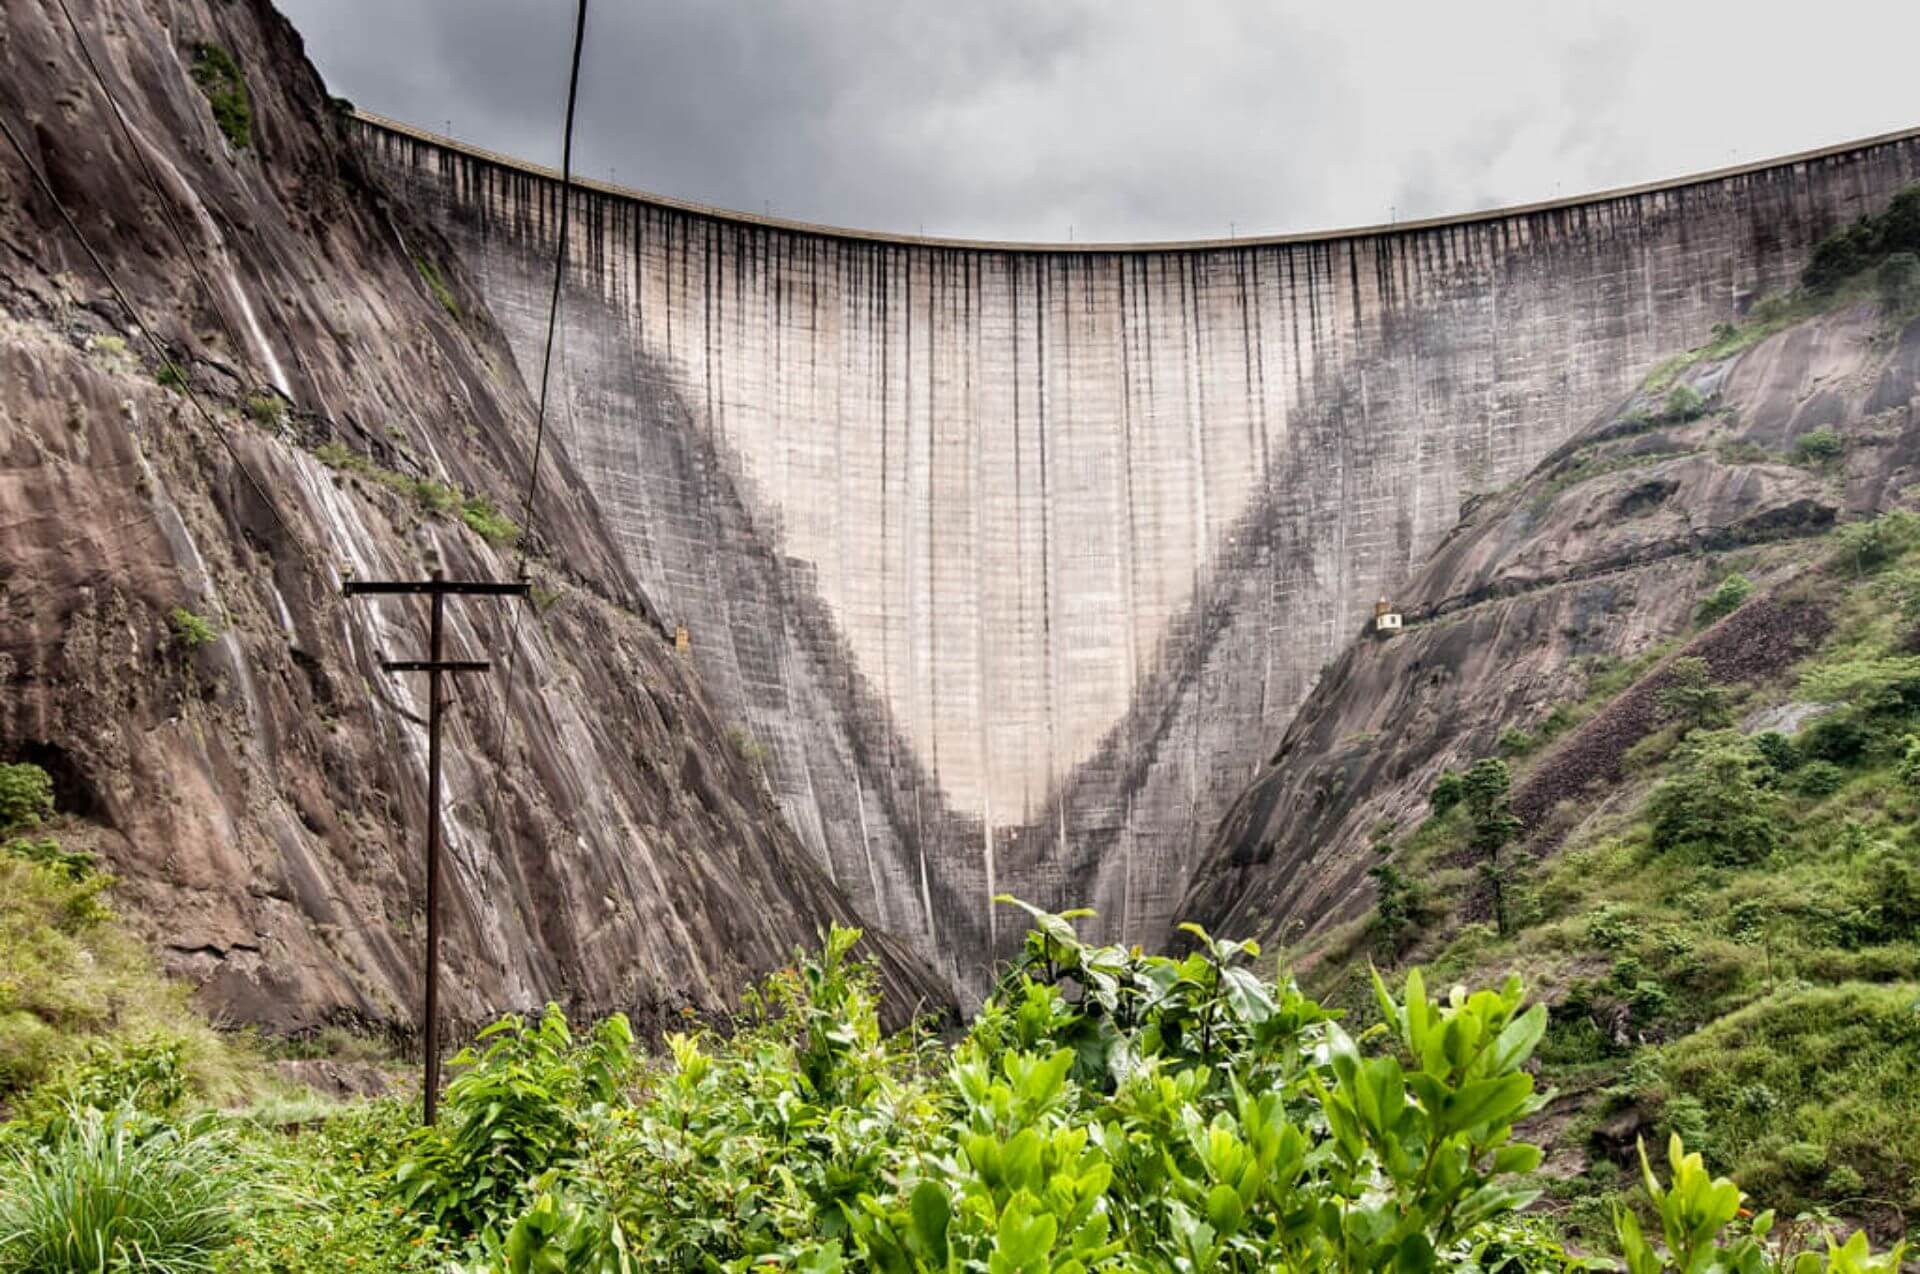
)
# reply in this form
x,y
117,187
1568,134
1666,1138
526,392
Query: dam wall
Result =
x,y
1010,560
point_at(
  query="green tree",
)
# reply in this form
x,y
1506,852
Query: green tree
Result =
x,y
26,796
1817,447
1715,804
1396,905
1487,791
1446,793
1691,698
1727,598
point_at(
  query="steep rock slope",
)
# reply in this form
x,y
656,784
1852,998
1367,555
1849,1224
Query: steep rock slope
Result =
x,y
261,794
1603,554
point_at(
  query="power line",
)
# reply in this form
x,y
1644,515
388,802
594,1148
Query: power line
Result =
x,y
559,270
153,180
178,376
540,424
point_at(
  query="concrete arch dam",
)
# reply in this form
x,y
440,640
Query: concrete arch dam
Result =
x,y
1010,559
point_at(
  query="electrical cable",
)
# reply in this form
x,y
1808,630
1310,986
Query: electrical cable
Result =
x,y
176,375
559,270
546,371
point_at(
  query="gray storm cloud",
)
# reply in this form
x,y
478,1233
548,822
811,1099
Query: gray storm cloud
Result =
x,y
1127,119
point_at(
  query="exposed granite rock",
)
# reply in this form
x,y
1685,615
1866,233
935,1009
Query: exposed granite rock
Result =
x,y
1606,549
262,796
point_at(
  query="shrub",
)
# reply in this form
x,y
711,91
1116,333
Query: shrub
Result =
x,y
219,78
1486,790
75,865
266,410
1705,1227
1818,447
193,631
1683,403
435,497
26,796
1713,805
1514,741
1908,767
1726,598
1819,778
1691,698
1776,751
117,1192
1448,791
513,1113
146,1074
487,522
1837,257
1397,906
1867,546
170,377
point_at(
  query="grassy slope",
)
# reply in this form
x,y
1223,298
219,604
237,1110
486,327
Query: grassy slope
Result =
x,y
1768,1011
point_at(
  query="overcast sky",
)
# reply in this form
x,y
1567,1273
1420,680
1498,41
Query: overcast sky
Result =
x,y
1130,119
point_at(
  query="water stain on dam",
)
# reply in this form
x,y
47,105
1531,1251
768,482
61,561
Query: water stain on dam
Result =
x,y
1014,559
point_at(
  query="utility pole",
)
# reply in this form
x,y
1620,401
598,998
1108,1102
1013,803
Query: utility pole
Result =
x,y
437,589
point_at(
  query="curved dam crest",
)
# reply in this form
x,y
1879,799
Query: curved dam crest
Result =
x,y
1010,561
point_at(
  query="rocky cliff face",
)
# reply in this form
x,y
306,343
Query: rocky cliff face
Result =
x,y
1604,551
1016,558
261,795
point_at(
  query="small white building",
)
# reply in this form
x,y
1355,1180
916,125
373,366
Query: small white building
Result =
x,y
1385,618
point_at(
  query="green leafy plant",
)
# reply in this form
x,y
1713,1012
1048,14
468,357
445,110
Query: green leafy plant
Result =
x,y
514,1112
1682,404
1398,906
220,79
1867,546
192,631
1704,1228
146,1073
1448,791
1514,741
1898,284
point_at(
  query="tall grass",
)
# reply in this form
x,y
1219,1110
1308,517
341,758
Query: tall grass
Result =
x,y
118,1191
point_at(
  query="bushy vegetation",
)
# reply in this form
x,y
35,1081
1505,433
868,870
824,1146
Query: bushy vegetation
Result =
x,y
1859,260
219,78
269,411
1732,942
488,522
1727,597
1866,243
1106,1111
1818,447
